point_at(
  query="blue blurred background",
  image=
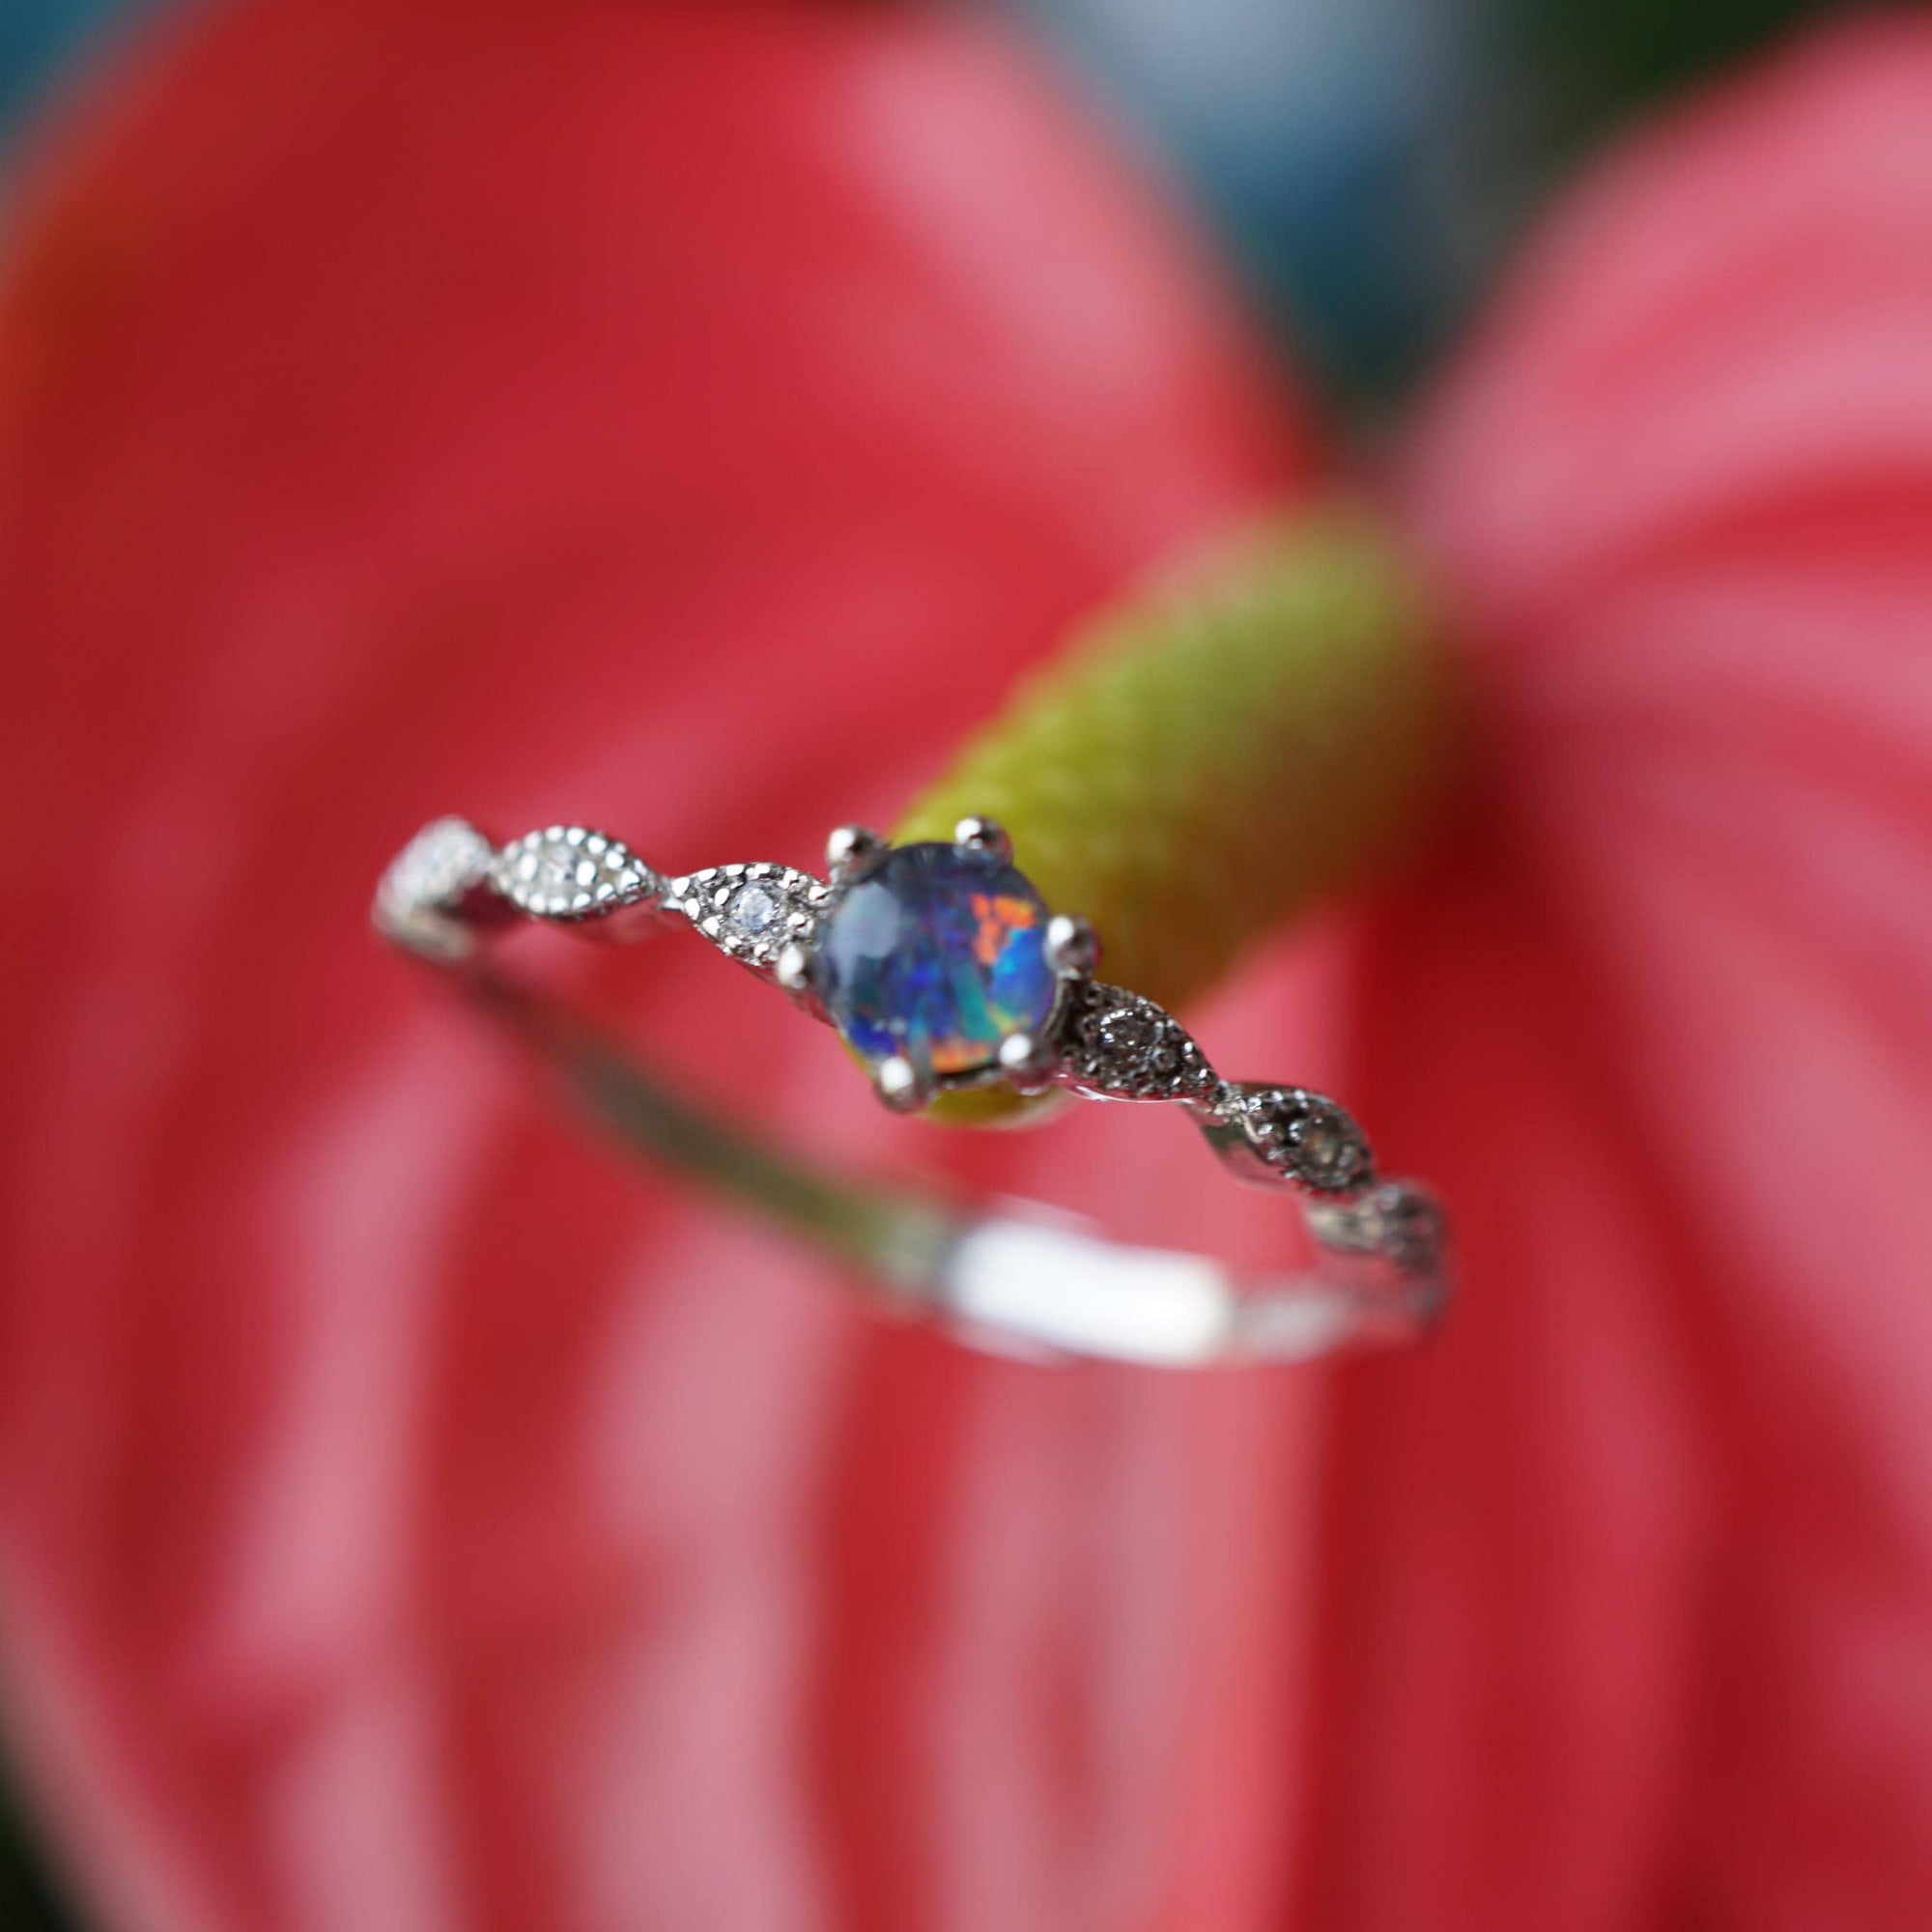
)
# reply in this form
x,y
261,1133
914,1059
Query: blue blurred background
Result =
x,y
1368,160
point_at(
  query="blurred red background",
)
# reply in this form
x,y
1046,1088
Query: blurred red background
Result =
x,y
410,1523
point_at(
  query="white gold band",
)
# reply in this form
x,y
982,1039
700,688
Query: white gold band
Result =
x,y
1006,1279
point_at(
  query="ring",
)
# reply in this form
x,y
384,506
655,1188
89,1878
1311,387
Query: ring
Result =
x,y
941,968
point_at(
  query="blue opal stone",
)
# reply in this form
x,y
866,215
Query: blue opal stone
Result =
x,y
936,953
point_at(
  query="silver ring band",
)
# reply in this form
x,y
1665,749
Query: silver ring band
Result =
x,y
941,967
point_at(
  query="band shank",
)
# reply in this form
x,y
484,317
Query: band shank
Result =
x,y
1012,1279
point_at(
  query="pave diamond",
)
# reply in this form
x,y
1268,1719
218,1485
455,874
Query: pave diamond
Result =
x,y
420,898
447,859
1399,1219
569,871
1307,1137
1118,1046
936,953
750,912
560,869
1127,1034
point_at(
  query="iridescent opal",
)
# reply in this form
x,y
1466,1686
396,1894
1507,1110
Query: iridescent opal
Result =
x,y
937,952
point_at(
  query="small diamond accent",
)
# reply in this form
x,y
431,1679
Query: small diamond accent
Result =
x,y
569,871
753,909
1307,1137
751,913
1127,1034
1120,1046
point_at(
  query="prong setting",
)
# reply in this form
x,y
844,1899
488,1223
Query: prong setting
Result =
x,y
900,1085
985,834
943,969
796,969
1028,1060
848,848
1073,946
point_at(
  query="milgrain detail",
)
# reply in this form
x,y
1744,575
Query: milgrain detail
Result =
x,y
943,969
750,912
572,872
1116,1045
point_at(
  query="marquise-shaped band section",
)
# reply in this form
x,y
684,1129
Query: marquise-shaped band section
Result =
x,y
1401,1220
572,872
1116,1045
421,901
448,859
753,912
1264,1131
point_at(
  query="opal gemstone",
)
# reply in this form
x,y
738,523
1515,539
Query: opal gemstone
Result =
x,y
937,952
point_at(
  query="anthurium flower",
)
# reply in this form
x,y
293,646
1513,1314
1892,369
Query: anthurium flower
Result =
x,y
1632,1618
690,420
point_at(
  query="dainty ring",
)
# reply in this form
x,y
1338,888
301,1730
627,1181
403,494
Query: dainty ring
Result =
x,y
943,968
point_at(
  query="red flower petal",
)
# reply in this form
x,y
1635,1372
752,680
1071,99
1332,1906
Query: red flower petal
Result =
x,y
406,1522
1634,1611
689,419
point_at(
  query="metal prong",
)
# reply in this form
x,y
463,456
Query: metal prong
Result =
x,y
794,969
848,848
1072,946
899,1084
1028,1062
983,835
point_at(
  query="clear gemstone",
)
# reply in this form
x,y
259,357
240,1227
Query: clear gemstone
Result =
x,y
1127,1034
752,910
556,869
1309,1137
